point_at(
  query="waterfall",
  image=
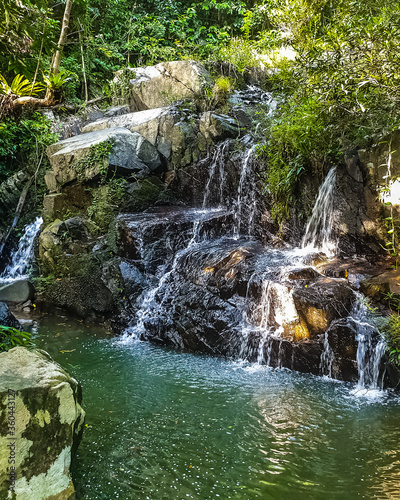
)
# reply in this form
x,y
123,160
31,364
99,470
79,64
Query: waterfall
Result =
x,y
318,234
218,161
370,350
150,303
246,202
18,267
327,358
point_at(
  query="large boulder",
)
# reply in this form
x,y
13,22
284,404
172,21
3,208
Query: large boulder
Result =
x,y
172,131
165,128
322,302
151,87
135,122
41,421
75,158
17,292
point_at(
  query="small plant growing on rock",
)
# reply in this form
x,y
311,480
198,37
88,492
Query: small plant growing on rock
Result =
x,y
11,337
97,157
391,333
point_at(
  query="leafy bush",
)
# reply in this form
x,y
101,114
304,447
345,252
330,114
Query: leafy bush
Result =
x,y
11,337
107,199
239,52
299,143
390,329
23,143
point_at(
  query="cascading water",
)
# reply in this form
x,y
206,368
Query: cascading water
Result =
x,y
327,358
371,348
217,162
188,301
21,259
152,299
318,234
246,203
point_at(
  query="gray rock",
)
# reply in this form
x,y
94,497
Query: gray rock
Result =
x,y
130,121
48,416
162,127
151,87
7,318
131,153
116,111
17,292
218,127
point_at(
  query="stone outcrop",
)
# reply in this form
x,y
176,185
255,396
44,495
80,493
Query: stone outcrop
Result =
x,y
7,318
150,87
130,154
41,421
17,292
215,285
70,249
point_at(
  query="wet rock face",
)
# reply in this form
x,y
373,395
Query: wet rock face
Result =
x,y
152,238
7,318
228,297
321,302
342,340
46,404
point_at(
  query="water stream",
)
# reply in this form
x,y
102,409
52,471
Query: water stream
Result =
x,y
163,424
258,325
318,234
22,257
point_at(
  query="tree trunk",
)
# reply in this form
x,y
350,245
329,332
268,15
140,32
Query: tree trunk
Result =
x,y
56,61
18,211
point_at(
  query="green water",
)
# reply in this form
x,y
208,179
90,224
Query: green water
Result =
x,y
169,425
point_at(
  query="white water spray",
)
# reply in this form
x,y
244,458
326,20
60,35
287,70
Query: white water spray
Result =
x,y
246,202
318,234
21,259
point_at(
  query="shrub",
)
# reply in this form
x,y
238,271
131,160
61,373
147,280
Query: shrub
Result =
x,y
11,337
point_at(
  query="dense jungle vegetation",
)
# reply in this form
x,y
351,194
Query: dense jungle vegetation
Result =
x,y
334,64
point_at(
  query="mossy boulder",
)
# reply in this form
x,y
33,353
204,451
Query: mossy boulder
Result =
x,y
90,156
41,421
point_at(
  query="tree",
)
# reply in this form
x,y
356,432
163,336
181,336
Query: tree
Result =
x,y
16,100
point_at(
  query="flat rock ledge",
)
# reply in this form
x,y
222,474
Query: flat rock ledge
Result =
x,y
41,422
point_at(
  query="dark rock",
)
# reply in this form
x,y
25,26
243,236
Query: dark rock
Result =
x,y
307,273
342,340
322,302
86,296
116,111
7,318
383,288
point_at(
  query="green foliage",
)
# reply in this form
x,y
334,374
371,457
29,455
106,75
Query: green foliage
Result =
x,y
61,78
390,329
107,199
239,52
216,96
299,143
23,143
20,86
97,158
11,337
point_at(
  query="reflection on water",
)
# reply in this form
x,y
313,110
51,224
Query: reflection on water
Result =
x,y
170,425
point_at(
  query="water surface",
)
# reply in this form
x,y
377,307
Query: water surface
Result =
x,y
163,424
